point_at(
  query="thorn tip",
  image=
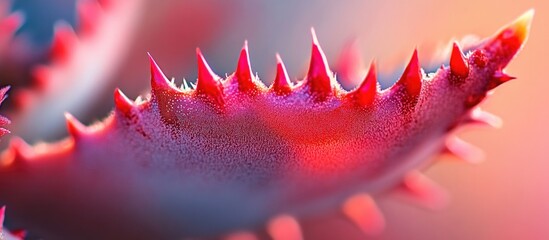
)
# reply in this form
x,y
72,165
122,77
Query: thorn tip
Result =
x,y
75,128
281,84
319,77
243,73
159,81
208,82
458,64
122,102
411,79
365,94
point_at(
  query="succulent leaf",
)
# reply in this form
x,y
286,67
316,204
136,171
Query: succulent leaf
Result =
x,y
217,160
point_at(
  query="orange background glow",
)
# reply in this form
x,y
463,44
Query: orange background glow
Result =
x,y
505,197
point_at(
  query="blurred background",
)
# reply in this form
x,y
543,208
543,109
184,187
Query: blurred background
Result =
x,y
505,197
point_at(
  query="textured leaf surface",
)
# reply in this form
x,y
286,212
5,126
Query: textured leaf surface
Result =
x,y
232,153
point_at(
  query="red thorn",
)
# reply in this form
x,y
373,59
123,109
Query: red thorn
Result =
x,y
365,94
64,40
162,93
503,77
88,15
458,64
498,78
411,78
319,77
122,103
159,82
243,71
208,82
75,128
281,84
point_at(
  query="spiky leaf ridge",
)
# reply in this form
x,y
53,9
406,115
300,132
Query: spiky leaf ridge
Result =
x,y
218,159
